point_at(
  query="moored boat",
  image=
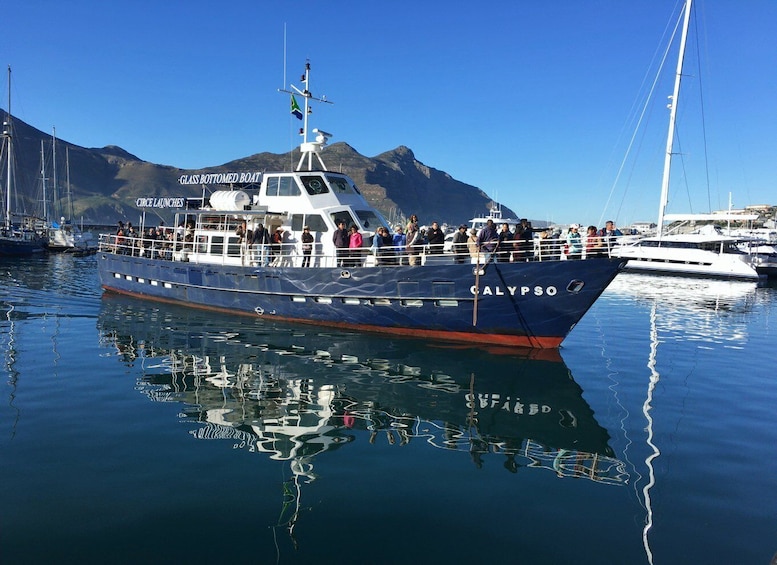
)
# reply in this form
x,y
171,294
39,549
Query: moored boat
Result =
x,y
18,237
243,248
694,254
62,235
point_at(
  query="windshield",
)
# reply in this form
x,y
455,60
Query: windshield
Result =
x,y
371,220
340,185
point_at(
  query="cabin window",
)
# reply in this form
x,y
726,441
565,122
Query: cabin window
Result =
x,y
340,185
217,245
233,247
314,221
202,244
342,215
314,184
282,186
370,219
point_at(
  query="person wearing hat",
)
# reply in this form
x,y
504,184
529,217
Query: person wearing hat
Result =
x,y
276,245
574,242
459,246
472,244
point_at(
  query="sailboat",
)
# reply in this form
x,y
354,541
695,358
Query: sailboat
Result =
x,y
701,253
18,237
62,234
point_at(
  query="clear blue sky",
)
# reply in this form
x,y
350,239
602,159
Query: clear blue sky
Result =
x,y
533,102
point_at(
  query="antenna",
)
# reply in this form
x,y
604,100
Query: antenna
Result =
x,y
308,149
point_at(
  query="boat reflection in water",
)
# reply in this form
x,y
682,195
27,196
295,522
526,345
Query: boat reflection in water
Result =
x,y
293,392
703,312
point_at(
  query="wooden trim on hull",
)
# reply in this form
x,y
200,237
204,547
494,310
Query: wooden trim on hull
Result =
x,y
495,340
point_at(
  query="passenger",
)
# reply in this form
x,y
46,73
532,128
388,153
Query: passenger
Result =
x,y
436,239
386,247
546,246
593,243
488,238
341,240
505,245
609,233
161,230
413,241
377,243
459,246
288,244
240,232
261,238
524,235
472,244
121,240
307,246
133,240
355,242
381,247
276,243
398,242
149,239
574,243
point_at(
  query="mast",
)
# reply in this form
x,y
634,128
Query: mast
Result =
x,y
43,182
672,117
8,135
69,195
54,191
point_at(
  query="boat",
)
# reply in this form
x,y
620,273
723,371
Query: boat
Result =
x,y
62,235
694,254
18,237
494,214
218,256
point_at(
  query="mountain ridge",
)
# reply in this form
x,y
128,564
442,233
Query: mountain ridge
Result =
x,y
106,181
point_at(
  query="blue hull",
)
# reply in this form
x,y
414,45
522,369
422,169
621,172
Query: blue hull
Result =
x,y
19,248
533,304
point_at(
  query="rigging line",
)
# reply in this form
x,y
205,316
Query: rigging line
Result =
x,y
703,119
678,143
645,106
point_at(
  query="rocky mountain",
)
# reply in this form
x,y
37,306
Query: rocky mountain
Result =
x,y
105,182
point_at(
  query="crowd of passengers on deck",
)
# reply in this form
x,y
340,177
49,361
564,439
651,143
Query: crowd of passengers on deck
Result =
x,y
409,245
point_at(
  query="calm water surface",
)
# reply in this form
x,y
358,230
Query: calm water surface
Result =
x,y
137,432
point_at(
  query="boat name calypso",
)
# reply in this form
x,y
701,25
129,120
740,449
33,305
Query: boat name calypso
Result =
x,y
221,178
513,290
506,403
152,202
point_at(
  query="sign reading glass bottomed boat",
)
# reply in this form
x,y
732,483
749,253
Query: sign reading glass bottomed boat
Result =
x,y
221,178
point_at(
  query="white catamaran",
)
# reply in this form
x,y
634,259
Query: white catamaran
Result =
x,y
702,253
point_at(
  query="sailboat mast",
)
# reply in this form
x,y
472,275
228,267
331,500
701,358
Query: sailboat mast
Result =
x,y
69,195
8,135
672,118
43,182
54,191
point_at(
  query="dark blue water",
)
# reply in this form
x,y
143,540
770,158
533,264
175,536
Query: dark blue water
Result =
x,y
137,432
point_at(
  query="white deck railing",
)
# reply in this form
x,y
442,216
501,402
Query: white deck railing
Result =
x,y
291,255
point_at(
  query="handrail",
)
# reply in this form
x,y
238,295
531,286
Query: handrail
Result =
x,y
290,254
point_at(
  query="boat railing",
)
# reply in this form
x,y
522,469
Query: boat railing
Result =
x,y
292,255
